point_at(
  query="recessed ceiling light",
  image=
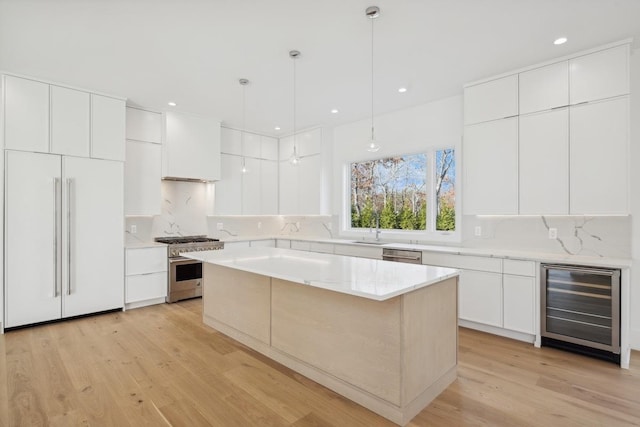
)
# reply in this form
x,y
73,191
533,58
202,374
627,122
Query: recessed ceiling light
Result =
x,y
334,111
277,128
172,104
402,89
561,40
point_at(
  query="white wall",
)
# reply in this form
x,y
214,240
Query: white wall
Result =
x,y
412,130
635,199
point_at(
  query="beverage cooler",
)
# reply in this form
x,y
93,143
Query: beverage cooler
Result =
x,y
581,310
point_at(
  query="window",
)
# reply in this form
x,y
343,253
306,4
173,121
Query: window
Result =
x,y
411,192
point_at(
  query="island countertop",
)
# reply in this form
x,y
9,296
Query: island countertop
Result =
x,y
368,278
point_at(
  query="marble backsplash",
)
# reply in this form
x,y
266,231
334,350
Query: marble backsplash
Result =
x,y
604,236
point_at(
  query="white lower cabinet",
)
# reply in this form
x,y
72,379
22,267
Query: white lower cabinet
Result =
x,y
146,276
64,242
480,297
362,251
269,243
282,243
519,303
231,245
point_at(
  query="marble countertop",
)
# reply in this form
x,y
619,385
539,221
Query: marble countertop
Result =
x,y
546,257
368,278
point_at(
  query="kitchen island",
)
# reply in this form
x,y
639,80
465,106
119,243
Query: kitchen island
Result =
x,y
380,333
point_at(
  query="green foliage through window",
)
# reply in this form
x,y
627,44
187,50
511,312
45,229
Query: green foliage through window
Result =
x,y
394,192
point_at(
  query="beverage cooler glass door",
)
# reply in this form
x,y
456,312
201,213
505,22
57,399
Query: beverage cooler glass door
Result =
x,y
581,305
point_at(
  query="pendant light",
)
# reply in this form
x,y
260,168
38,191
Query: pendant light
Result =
x,y
243,83
372,13
294,159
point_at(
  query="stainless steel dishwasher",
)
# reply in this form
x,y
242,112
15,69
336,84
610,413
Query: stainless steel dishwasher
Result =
x,y
580,310
402,255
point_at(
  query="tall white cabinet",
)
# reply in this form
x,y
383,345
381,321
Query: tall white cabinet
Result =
x,y
63,202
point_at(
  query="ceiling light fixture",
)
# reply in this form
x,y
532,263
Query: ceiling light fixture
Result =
x,y
172,104
560,40
334,111
402,89
372,13
294,159
243,83
277,128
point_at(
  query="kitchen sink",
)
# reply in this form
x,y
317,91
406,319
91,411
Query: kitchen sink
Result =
x,y
368,242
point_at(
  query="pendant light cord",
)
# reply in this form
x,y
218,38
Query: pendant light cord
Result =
x,y
372,132
295,152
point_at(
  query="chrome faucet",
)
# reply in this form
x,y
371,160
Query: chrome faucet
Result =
x,y
377,217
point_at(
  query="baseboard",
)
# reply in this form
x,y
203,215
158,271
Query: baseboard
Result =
x,y
520,336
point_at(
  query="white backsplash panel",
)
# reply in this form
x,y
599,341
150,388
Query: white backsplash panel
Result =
x,y
603,236
184,209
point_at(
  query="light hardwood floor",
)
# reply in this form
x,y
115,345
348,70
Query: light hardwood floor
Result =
x,y
160,366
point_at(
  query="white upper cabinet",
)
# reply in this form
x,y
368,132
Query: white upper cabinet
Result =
x,y
251,187
251,145
309,142
70,121
142,171
492,100
599,176
544,163
192,147
268,148
228,191
108,124
26,115
230,141
544,88
145,126
490,158
268,187
599,75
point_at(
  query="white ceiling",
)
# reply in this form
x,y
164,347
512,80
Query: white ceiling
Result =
x,y
194,51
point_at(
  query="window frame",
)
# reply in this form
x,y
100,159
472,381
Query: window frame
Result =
x,y
428,235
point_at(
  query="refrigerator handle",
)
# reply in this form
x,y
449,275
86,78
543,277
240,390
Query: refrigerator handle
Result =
x,y
55,237
69,271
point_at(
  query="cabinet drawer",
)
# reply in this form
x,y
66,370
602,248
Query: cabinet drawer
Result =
x,y
300,246
519,268
145,286
286,244
270,243
146,260
493,265
480,297
325,248
358,251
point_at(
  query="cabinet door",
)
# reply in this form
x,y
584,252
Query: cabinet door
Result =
x,y
480,297
108,124
251,145
288,183
492,100
309,185
142,177
268,187
146,260
270,243
600,75
192,147
490,158
145,287
70,122
230,141
92,231
544,163
309,142
26,115
268,148
144,125
519,303
544,88
599,147
32,238
228,191
251,187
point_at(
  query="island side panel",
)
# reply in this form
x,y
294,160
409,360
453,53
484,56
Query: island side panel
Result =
x,y
430,340
352,338
238,299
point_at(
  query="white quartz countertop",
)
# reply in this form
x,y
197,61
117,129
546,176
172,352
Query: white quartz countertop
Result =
x,y
531,255
363,277
140,245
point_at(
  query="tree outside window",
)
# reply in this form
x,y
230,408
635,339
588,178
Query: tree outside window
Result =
x,y
394,192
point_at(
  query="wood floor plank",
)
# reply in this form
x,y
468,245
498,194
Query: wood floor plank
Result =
x,y
161,366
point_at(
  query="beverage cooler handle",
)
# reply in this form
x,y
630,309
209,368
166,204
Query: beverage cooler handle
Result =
x,y
589,270
69,273
55,237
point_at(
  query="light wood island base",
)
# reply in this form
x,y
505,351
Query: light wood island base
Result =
x,y
392,357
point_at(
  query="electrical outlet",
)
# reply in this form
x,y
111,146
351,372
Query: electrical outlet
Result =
x,y
478,231
259,225
553,233
134,229
219,226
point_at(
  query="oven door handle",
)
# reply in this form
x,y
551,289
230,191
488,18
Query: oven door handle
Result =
x,y
183,260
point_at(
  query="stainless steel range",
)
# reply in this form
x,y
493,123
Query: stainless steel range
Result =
x,y
185,275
